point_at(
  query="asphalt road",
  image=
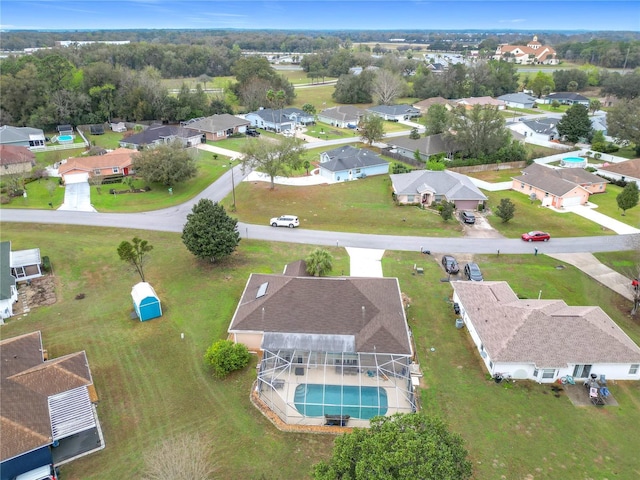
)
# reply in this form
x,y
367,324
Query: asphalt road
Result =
x,y
173,219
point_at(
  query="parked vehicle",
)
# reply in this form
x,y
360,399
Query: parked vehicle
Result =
x,y
536,236
252,132
47,472
285,221
468,217
450,264
472,272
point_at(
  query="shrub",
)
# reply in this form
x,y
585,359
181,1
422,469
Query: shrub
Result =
x,y
4,199
225,357
46,264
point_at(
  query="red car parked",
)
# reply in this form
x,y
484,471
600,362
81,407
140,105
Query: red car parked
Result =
x,y
536,236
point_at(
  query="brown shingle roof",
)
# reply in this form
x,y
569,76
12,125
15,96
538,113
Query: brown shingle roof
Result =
x,y
26,382
120,157
370,309
557,181
630,168
547,333
11,154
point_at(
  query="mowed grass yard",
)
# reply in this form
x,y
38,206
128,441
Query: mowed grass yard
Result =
x,y
153,385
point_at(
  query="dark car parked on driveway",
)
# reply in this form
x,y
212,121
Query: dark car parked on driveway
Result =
x,y
472,272
450,264
252,132
468,217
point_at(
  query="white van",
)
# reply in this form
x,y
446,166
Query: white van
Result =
x,y
285,221
48,472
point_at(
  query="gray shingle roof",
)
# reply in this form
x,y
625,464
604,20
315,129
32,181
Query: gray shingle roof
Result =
x,y
369,309
9,134
158,132
545,126
454,186
348,157
548,333
6,279
344,113
394,109
427,145
517,98
216,123
575,97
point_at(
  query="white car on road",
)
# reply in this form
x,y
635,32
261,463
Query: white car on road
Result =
x,y
285,221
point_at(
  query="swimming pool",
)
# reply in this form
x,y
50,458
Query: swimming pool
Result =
x,y
316,400
65,138
574,162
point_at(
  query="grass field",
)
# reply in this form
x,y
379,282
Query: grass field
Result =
x,y
608,205
153,385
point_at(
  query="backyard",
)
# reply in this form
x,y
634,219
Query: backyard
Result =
x,y
153,385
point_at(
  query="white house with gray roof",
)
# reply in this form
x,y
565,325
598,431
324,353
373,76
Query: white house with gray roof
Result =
x,y
543,340
347,163
425,187
21,136
537,129
395,113
426,146
518,100
220,126
279,120
342,116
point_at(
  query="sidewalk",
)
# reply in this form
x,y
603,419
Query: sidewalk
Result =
x,y
587,211
590,265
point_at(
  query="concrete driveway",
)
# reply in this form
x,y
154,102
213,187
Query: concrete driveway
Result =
x,y
77,194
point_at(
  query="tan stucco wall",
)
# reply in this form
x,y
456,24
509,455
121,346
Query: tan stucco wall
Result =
x,y
15,168
251,340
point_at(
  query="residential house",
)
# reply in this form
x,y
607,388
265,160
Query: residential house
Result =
x,y
558,187
395,113
543,340
269,119
117,163
44,404
469,103
21,136
627,171
8,289
530,54
426,145
426,187
425,105
445,60
537,129
220,126
15,160
565,98
599,124
160,135
342,116
337,346
518,100
349,163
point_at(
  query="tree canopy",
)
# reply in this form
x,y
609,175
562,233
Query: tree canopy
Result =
x,y
400,447
319,262
135,254
623,120
372,129
478,132
505,210
436,119
628,197
277,158
575,124
225,356
166,164
210,234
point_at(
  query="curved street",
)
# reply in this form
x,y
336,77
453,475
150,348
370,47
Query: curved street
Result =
x,y
172,220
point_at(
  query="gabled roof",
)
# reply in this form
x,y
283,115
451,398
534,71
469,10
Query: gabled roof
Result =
x,y
6,279
629,168
217,123
454,186
296,269
28,384
13,154
9,134
480,101
159,132
517,98
120,157
344,113
575,97
427,145
547,333
394,109
424,105
348,157
557,181
544,126
368,310
272,116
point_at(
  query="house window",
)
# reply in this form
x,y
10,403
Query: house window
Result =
x,y
535,373
97,171
521,185
548,373
410,198
634,369
530,188
546,194
357,170
491,364
116,169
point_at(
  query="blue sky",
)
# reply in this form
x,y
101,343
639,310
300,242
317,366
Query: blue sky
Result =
x,y
322,14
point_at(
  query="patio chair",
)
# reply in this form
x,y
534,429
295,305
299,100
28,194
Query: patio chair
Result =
x,y
603,380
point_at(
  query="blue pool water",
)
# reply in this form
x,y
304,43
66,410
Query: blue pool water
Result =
x,y
65,138
316,400
573,160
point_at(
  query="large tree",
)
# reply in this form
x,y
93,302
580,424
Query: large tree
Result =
x,y
436,119
210,234
166,164
275,158
541,84
135,254
628,197
575,124
478,132
319,262
372,129
354,88
387,87
505,210
400,447
623,122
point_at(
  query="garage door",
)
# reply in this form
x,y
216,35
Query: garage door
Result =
x,y
571,201
76,178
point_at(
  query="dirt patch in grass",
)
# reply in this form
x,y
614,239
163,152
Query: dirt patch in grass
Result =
x,y
37,293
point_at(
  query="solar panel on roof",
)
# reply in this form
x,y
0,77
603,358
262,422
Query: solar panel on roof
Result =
x,y
262,291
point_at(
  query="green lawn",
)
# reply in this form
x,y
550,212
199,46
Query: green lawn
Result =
x,y
496,176
153,385
608,205
109,140
532,216
625,263
39,194
365,206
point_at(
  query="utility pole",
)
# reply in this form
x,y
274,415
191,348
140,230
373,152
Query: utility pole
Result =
x,y
233,188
